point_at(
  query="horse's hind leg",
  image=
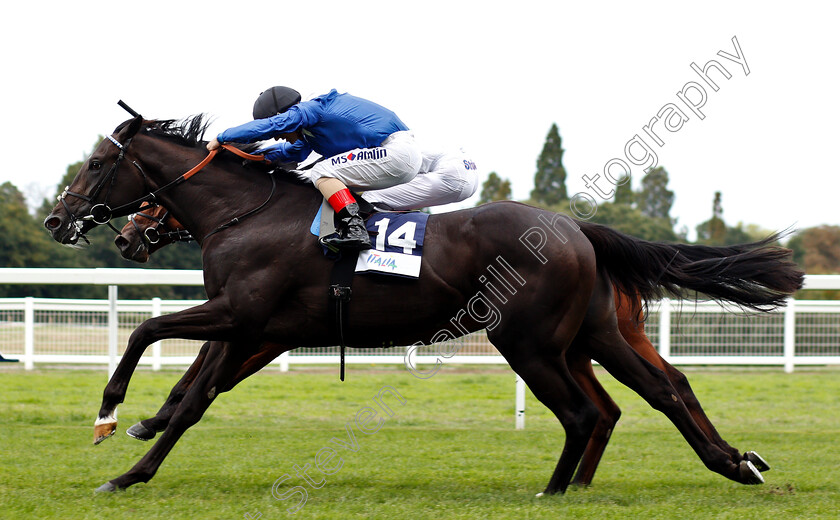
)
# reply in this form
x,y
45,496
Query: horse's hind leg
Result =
x,y
553,385
633,331
147,429
606,346
581,368
220,366
680,382
542,365
265,355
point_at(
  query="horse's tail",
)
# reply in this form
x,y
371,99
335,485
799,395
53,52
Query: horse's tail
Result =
x,y
758,275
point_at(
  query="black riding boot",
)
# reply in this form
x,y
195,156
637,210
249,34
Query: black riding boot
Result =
x,y
352,235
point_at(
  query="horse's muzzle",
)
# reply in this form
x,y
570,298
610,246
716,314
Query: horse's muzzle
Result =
x,y
63,229
134,250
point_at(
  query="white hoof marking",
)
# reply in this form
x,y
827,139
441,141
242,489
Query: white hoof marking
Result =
x,y
110,418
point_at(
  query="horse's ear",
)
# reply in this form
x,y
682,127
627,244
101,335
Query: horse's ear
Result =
x,y
133,127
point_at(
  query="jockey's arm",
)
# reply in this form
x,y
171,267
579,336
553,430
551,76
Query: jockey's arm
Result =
x,y
286,152
261,129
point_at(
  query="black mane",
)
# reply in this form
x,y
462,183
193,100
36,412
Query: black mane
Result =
x,y
190,132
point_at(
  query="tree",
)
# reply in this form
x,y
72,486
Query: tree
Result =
x,y
624,194
655,199
66,180
631,221
25,243
494,188
713,231
817,249
550,179
643,214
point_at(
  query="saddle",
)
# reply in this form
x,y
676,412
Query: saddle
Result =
x,y
396,253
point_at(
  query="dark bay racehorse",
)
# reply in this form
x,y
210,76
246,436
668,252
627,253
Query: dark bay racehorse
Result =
x,y
154,227
266,282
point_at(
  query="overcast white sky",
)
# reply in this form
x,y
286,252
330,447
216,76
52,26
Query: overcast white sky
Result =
x,y
489,76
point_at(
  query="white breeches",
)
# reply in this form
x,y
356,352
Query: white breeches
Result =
x,y
445,177
396,161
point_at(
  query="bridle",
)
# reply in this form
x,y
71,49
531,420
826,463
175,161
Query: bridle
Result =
x,y
152,234
102,213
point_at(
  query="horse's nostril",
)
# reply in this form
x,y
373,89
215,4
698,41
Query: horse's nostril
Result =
x,y
121,242
52,223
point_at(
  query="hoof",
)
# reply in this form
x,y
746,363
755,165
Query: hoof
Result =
x,y
106,488
103,430
759,463
749,474
140,432
540,495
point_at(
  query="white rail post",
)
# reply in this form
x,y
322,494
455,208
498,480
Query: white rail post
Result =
x,y
156,345
665,329
520,403
790,335
284,361
113,324
29,333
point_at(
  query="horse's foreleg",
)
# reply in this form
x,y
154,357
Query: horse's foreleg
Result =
x,y
220,366
581,368
147,429
211,320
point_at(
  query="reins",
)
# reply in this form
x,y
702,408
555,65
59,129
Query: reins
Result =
x,y
184,176
198,167
102,214
240,218
244,155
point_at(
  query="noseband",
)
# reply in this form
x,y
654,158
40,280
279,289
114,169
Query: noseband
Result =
x,y
152,234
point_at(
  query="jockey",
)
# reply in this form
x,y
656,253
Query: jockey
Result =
x,y
367,147
444,178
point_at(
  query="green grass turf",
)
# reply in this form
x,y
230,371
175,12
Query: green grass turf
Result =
x,y
449,452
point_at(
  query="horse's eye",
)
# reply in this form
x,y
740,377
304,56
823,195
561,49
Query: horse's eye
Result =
x,y
95,165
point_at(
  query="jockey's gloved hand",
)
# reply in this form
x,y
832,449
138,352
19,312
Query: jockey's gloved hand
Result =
x,y
272,153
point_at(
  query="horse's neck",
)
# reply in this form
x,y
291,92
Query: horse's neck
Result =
x,y
223,190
